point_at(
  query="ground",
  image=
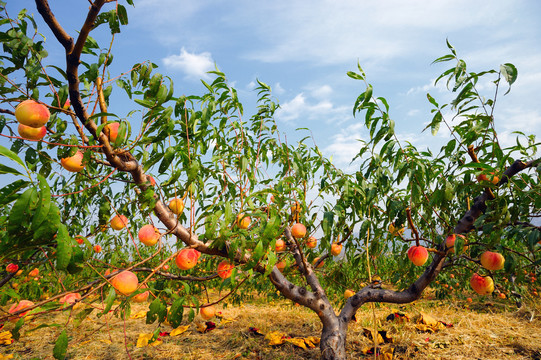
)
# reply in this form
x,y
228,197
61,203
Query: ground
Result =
x,y
485,329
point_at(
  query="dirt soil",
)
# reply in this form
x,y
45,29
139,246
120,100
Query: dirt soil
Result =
x,y
480,330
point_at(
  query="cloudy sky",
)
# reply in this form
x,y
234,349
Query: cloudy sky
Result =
x,y
303,49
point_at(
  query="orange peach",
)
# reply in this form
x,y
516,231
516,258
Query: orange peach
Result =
x,y
225,269
67,105
281,265
418,255
280,245
23,304
492,177
73,163
243,222
450,242
34,272
176,206
113,130
70,298
31,113
187,258
12,268
97,249
207,312
336,249
311,242
482,285
125,283
80,239
31,133
320,264
348,293
141,297
119,222
298,230
149,235
492,260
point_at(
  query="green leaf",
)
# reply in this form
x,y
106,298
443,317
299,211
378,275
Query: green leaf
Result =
x,y
61,346
11,155
8,170
167,159
63,249
156,311
82,315
49,226
109,300
44,204
122,14
176,312
9,194
509,73
327,223
21,211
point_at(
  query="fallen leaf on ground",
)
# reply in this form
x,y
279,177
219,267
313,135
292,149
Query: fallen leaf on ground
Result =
x,y
144,340
179,330
255,331
275,337
381,337
139,314
428,323
383,353
6,338
5,357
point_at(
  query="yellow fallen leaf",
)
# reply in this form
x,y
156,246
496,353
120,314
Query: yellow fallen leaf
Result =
x,y
201,327
106,341
297,342
427,320
179,330
5,338
384,353
139,314
275,337
144,340
312,341
370,334
5,357
428,323
225,321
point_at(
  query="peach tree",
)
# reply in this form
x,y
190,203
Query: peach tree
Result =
x,y
186,191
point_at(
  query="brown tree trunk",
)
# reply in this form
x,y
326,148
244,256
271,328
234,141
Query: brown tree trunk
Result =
x,y
333,342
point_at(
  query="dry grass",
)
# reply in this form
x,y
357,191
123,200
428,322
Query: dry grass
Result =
x,y
482,331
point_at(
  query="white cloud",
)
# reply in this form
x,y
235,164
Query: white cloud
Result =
x,y
192,64
303,108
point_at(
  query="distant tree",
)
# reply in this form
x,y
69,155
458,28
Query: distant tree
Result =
x,y
244,190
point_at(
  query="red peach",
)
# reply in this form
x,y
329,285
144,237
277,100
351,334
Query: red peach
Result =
x,y
31,113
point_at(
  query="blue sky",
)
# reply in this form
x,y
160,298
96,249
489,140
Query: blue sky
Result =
x,y
303,49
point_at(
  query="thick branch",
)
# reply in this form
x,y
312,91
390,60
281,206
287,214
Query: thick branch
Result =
x,y
62,36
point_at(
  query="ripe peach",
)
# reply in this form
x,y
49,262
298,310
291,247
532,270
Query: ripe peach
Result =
x,y
418,255
280,245
207,312
12,268
34,272
141,297
176,206
311,242
149,235
165,267
320,264
502,296
187,258
469,300
281,265
225,269
482,285
19,273
31,133
450,242
70,298
113,130
73,163
492,177
97,249
31,113
67,105
348,293
80,239
23,304
119,222
492,260
336,249
298,230
243,221
125,283
151,180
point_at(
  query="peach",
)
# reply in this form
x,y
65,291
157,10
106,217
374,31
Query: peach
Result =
x,y
281,265
469,300
34,272
176,206
12,268
19,273
23,304
243,221
348,293
141,297
97,249
320,264
119,222
67,105
187,258
298,230
73,163
492,260
225,269
492,177
450,242
280,245
70,298
482,285
151,180
336,249
418,255
311,242
149,235
207,312
31,133
125,283
80,239
113,130
31,113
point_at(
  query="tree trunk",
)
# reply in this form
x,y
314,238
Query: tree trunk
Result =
x,y
333,343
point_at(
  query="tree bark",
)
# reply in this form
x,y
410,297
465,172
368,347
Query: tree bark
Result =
x,y
333,342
